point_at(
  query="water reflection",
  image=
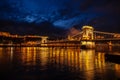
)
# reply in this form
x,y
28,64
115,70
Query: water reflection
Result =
x,y
75,62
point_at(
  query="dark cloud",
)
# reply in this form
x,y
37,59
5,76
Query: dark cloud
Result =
x,y
102,14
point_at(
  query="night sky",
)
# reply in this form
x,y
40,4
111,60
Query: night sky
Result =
x,y
55,17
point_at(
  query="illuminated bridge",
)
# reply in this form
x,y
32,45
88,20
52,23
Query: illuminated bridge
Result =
x,y
87,36
88,33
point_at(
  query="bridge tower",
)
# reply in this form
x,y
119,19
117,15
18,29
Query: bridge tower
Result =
x,y
87,32
87,37
44,39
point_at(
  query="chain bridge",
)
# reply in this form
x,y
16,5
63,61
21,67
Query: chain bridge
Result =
x,y
88,36
88,33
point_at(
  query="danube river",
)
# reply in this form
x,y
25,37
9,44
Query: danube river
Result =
x,y
57,63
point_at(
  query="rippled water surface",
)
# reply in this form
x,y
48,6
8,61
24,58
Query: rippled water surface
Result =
x,y
57,63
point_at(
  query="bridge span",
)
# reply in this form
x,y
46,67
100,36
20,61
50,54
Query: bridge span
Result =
x,y
86,37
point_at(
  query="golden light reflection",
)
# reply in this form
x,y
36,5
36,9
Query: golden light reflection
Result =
x,y
34,55
29,55
75,58
11,53
88,59
1,50
43,56
89,62
117,70
5,55
100,62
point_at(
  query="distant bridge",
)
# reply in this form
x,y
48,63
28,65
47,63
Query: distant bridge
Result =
x,y
6,37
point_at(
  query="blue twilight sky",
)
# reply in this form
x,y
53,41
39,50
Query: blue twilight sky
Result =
x,y
101,14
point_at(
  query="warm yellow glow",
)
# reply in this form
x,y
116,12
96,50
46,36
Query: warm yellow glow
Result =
x,y
87,27
4,34
87,33
100,62
88,44
75,59
117,69
43,54
1,52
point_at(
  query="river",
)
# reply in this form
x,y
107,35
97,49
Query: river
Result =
x,y
57,63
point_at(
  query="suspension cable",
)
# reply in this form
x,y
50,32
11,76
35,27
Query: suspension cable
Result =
x,y
77,34
106,33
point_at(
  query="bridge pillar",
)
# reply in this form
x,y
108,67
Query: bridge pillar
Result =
x,y
44,40
110,46
87,37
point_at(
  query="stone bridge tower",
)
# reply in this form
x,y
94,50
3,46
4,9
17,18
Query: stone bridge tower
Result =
x,y
87,37
87,33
